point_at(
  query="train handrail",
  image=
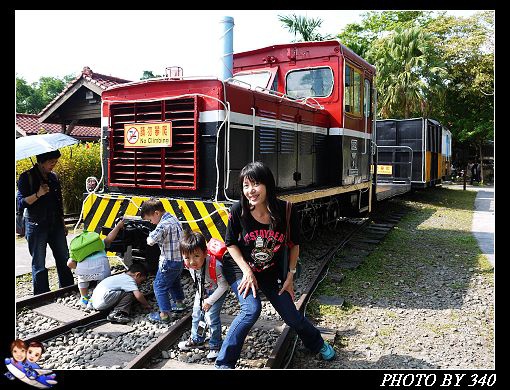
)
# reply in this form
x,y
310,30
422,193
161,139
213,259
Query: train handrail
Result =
x,y
394,163
304,101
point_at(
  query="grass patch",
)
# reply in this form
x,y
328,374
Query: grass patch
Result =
x,y
386,330
435,233
316,309
391,314
439,328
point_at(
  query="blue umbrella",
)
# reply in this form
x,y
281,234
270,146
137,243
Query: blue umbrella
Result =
x,y
33,145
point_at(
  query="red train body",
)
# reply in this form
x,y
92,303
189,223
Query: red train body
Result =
x,y
305,109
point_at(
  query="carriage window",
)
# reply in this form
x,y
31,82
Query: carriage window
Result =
x,y
303,83
353,90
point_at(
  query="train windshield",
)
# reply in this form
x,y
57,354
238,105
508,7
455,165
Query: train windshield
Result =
x,y
258,79
317,82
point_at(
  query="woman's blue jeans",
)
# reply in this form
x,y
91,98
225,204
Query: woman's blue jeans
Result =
x,y
250,311
212,318
168,281
38,237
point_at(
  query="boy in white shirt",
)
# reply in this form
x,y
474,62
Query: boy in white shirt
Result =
x,y
210,294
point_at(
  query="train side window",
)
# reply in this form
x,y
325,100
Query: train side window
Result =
x,y
367,99
353,90
348,91
311,82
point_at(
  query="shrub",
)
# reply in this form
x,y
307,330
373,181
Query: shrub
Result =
x,y
76,164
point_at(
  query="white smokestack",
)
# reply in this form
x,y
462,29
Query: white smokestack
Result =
x,y
226,61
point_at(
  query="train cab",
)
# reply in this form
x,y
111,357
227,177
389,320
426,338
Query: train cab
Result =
x,y
337,82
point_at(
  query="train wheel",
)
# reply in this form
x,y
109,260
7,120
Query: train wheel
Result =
x,y
333,212
309,222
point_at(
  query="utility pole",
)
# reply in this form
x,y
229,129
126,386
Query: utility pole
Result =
x,y
465,177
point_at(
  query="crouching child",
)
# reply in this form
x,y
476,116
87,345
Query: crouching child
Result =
x,y
118,292
94,266
211,290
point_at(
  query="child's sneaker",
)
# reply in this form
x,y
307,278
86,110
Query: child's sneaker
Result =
x,y
84,301
190,344
155,317
327,352
213,354
118,317
178,307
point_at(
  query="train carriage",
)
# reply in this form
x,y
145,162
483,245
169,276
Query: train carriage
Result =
x,y
424,136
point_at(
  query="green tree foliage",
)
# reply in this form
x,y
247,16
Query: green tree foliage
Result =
x,y
453,78
408,72
467,107
359,36
74,166
32,98
149,74
303,26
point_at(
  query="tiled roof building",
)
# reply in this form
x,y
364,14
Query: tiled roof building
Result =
x,y
29,124
79,104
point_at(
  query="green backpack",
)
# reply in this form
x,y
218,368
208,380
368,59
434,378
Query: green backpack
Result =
x,y
84,245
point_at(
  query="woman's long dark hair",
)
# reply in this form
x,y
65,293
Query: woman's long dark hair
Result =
x,y
260,173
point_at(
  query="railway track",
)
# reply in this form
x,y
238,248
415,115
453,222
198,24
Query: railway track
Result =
x,y
91,341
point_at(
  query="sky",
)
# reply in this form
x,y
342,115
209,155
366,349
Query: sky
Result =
x,y
124,43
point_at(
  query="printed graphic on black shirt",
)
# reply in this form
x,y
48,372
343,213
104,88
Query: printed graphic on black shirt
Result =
x,y
267,243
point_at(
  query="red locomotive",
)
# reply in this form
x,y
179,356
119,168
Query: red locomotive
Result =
x,y
305,109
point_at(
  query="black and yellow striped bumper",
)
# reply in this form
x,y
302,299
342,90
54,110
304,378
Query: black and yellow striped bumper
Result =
x,y
211,217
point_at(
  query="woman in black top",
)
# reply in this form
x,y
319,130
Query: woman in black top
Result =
x,y
255,238
39,191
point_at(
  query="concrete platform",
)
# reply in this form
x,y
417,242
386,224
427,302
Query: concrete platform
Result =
x,y
332,301
173,364
388,190
484,221
113,330
61,313
226,319
113,358
23,260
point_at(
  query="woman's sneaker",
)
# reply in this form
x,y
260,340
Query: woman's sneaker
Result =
x,y
327,351
189,344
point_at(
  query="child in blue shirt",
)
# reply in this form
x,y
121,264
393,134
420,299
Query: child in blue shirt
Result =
x,y
167,234
210,292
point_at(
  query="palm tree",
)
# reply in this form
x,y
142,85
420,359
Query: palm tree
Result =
x,y
304,26
406,73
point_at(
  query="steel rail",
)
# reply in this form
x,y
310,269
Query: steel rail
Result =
x,y
279,351
40,299
162,342
61,329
